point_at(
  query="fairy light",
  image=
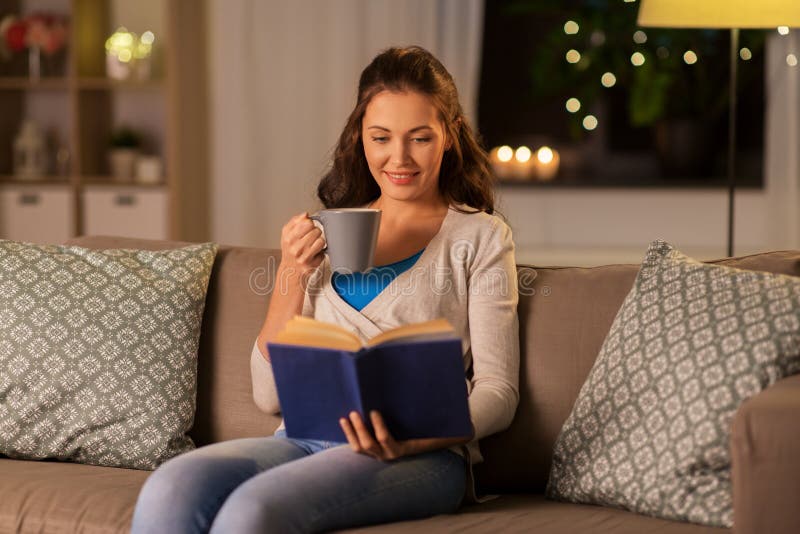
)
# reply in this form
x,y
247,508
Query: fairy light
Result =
x,y
783,30
571,27
573,105
745,54
573,56
608,79
639,37
590,122
690,57
791,60
637,58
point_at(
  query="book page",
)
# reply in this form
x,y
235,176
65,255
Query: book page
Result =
x,y
436,328
308,332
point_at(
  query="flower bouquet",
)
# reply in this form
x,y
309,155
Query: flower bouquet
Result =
x,y
43,35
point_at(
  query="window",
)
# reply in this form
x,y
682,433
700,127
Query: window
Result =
x,y
623,106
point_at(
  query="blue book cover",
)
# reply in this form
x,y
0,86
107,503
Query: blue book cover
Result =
x,y
418,385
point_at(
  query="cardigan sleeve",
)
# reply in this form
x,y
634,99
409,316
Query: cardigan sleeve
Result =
x,y
494,333
264,393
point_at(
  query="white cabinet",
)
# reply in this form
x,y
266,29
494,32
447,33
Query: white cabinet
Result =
x,y
126,211
36,213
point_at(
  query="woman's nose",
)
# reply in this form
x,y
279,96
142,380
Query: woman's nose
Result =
x,y
399,153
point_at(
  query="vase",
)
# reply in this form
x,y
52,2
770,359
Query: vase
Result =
x,y
34,63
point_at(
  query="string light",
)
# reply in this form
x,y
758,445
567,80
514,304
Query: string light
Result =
x,y
590,122
662,52
783,30
573,105
571,27
573,56
745,54
637,59
608,79
791,60
690,57
639,37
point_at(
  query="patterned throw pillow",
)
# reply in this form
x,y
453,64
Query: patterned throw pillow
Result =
x,y
98,352
649,431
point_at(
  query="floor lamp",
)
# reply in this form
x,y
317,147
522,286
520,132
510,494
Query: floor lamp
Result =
x,y
714,14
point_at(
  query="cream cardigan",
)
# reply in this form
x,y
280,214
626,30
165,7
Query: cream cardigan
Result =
x,y
466,274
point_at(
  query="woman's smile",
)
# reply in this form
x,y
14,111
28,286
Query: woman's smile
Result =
x,y
400,178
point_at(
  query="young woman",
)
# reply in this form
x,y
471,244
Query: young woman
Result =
x,y
406,149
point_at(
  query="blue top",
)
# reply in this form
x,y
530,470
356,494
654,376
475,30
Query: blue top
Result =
x,y
359,289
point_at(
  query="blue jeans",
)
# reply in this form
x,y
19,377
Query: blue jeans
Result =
x,y
278,484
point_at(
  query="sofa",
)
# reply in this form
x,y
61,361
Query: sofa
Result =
x,y
564,313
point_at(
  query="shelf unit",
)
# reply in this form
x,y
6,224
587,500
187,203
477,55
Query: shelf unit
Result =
x,y
78,106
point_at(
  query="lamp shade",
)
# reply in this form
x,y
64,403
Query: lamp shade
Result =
x,y
719,13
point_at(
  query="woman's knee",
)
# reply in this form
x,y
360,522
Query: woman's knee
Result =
x,y
189,488
252,509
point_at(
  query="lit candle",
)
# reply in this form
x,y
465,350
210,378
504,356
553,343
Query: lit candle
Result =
x,y
546,163
523,163
501,161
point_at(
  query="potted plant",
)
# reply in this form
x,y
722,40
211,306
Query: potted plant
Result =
x,y
125,146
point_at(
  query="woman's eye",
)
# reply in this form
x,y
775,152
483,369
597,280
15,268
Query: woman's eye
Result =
x,y
380,139
421,139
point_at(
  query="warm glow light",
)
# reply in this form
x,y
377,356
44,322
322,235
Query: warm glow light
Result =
x,y
544,154
505,153
637,59
522,154
573,105
571,27
745,54
573,56
126,45
783,30
608,79
639,37
590,122
690,57
662,52
791,60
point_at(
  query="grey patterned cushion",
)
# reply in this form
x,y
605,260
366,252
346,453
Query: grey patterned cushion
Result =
x,y
98,352
649,431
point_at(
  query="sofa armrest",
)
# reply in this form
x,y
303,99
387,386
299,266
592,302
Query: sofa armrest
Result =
x,y
765,455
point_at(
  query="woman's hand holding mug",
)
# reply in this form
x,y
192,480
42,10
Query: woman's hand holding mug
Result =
x,y
301,247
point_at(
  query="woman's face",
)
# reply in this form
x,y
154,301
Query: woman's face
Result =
x,y
404,142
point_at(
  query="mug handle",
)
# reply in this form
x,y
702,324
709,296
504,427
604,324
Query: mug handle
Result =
x,y
316,218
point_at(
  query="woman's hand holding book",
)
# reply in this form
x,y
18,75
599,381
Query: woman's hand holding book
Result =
x,y
382,445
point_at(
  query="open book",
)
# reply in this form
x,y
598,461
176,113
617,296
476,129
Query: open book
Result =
x,y
413,375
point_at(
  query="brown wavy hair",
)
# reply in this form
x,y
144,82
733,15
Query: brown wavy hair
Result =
x,y
464,176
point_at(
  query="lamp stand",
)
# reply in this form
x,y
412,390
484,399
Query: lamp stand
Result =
x,y
732,136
